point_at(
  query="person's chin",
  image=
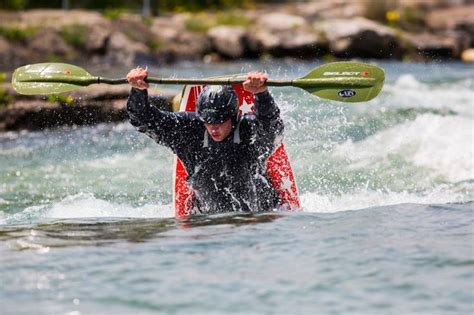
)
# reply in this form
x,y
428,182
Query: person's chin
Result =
x,y
217,138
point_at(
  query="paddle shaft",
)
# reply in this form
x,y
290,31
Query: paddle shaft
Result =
x,y
302,83
339,81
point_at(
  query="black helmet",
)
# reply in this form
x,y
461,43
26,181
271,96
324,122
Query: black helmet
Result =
x,y
216,104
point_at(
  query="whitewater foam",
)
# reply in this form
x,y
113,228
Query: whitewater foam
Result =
x,y
3,218
145,158
85,205
363,199
416,140
409,92
444,145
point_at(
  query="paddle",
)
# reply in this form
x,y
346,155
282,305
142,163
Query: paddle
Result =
x,y
339,81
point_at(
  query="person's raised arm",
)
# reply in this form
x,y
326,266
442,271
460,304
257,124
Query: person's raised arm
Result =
x,y
265,107
164,127
138,105
266,111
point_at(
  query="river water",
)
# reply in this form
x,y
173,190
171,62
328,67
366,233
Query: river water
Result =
x,y
387,187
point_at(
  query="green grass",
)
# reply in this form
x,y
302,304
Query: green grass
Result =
x,y
114,13
147,21
232,19
74,34
16,33
14,4
154,45
412,19
5,99
60,98
158,5
376,10
201,22
53,58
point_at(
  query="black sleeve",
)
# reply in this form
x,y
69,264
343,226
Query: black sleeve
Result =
x,y
166,128
269,123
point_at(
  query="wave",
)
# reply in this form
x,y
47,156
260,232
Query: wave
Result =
x,y
448,96
86,205
442,145
363,199
316,124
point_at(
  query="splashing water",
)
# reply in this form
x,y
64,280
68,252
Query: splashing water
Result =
x,y
414,143
95,204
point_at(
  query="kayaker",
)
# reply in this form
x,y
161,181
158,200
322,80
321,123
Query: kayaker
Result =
x,y
223,152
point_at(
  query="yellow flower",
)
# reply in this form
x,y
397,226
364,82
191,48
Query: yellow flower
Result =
x,y
69,99
392,16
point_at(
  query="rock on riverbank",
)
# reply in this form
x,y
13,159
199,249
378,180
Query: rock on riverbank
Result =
x,y
413,29
90,106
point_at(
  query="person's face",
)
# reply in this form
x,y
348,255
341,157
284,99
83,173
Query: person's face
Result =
x,y
219,132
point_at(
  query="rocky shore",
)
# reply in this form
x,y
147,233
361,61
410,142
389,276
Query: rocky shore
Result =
x,y
411,30
96,104
341,29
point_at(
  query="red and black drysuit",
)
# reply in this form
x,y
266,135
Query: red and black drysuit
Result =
x,y
225,176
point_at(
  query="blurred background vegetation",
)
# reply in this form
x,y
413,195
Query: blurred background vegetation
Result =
x,y
157,6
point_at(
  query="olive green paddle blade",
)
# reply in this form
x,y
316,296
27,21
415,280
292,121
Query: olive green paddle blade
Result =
x,y
50,78
344,81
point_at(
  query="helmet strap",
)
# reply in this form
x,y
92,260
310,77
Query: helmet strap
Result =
x,y
237,132
206,139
